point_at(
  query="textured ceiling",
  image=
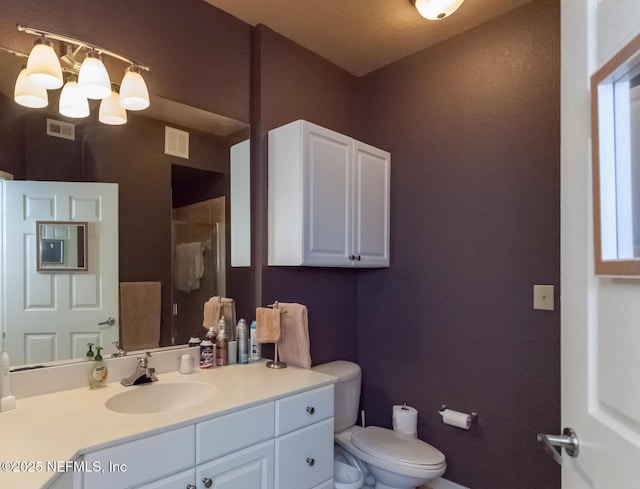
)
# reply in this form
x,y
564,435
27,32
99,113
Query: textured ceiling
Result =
x,y
362,35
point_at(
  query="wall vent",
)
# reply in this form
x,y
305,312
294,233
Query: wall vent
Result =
x,y
60,129
176,142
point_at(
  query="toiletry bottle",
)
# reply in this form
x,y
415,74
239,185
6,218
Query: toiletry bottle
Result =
x,y
194,341
207,354
254,349
243,347
222,347
232,344
90,354
98,371
7,401
211,334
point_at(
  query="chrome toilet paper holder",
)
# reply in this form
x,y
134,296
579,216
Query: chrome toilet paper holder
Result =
x,y
473,415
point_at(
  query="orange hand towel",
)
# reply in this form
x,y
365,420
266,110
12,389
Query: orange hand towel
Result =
x,y
294,348
268,328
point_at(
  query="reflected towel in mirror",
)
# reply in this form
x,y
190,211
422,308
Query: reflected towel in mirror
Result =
x,y
188,266
139,315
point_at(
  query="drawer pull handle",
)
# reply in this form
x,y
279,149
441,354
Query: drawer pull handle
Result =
x,y
207,482
311,461
311,409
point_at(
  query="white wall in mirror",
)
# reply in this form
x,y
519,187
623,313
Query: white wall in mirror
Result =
x,y
241,205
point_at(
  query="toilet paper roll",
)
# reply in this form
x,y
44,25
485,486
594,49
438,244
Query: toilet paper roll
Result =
x,y
456,418
405,420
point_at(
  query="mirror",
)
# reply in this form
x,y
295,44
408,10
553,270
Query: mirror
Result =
x,y
61,246
615,128
164,200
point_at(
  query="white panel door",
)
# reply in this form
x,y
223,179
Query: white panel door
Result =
x,y
52,316
371,207
328,174
600,325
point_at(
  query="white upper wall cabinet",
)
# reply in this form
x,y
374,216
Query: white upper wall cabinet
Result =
x,y
328,199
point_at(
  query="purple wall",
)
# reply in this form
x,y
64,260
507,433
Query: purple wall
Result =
x,y
294,83
473,128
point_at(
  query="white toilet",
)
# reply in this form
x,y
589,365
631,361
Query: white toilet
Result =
x,y
396,460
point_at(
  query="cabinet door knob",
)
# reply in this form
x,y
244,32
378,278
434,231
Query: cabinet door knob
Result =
x,y
207,482
352,257
311,409
311,461
191,486
358,257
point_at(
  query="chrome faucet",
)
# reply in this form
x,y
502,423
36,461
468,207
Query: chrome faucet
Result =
x,y
121,351
143,374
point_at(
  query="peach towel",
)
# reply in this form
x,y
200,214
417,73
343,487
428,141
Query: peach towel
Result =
x,y
268,328
139,315
294,348
217,307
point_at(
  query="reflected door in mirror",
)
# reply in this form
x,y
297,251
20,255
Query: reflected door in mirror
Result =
x,y
79,300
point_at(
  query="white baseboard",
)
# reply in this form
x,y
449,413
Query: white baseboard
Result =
x,y
442,483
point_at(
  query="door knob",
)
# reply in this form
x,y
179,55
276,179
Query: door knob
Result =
x,y
109,322
568,440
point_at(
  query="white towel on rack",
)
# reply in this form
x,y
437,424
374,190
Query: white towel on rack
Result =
x,y
188,266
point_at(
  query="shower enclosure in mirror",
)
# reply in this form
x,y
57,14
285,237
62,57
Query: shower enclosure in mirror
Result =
x,y
615,126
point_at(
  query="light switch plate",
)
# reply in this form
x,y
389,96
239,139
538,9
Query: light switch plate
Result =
x,y
543,297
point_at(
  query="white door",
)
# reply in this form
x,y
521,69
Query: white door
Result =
x,y
372,168
600,316
52,316
328,196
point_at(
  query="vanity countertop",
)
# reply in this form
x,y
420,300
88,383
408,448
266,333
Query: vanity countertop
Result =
x,y
60,426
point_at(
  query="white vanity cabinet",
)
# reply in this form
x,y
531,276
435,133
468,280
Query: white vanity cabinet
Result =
x,y
328,199
282,444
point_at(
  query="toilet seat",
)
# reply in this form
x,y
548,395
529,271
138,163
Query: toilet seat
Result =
x,y
402,449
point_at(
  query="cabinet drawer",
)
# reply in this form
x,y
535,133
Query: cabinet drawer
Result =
x,y
226,434
304,458
141,461
303,409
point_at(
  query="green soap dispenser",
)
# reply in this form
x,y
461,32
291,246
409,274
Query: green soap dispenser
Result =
x,y
90,354
98,371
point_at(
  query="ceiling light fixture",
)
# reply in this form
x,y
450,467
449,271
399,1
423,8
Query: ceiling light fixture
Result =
x,y
44,71
436,9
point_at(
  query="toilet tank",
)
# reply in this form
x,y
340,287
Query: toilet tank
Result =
x,y
346,391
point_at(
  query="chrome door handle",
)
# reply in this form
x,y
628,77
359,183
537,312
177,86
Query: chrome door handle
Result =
x,y
568,440
109,322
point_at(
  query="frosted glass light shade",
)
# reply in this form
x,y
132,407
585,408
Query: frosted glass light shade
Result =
x,y
29,94
111,112
43,65
93,78
437,9
73,103
134,94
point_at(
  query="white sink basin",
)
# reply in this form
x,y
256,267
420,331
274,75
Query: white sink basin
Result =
x,y
159,397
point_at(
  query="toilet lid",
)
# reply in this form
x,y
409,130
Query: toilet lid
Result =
x,y
400,447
